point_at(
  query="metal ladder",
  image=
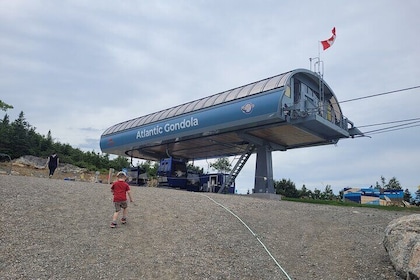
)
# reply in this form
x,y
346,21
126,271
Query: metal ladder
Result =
x,y
238,167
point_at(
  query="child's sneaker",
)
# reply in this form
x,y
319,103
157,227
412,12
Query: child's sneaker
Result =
x,y
113,225
123,220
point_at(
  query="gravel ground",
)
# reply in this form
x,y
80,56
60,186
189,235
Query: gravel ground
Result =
x,y
57,229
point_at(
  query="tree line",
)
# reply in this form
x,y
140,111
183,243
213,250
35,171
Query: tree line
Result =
x,y
288,189
19,138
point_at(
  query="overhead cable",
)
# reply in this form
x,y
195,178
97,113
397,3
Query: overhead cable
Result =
x,y
379,94
389,130
394,127
384,123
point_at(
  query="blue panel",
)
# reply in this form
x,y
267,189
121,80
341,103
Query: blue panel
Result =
x,y
244,111
354,198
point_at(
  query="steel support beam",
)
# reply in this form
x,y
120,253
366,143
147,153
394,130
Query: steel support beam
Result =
x,y
264,171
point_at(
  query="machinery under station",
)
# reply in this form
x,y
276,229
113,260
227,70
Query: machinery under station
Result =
x,y
291,110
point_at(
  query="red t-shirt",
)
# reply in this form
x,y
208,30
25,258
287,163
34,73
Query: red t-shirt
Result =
x,y
120,189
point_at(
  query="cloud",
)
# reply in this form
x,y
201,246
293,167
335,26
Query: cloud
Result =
x,y
77,68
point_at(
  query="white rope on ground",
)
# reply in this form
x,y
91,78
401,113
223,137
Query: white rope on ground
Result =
x,y
250,230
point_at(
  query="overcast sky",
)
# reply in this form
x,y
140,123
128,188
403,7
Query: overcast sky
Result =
x,y
78,67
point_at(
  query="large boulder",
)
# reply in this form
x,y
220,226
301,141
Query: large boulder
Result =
x,y
40,163
402,242
32,161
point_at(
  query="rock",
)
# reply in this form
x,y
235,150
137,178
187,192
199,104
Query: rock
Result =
x,y
31,161
69,168
402,242
40,163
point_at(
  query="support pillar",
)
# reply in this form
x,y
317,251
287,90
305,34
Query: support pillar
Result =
x,y
264,171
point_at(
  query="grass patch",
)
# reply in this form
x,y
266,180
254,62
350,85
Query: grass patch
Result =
x,y
352,204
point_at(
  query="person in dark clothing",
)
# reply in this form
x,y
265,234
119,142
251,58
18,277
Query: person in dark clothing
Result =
x,y
52,163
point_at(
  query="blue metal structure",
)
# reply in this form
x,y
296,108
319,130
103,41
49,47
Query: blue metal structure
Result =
x,y
372,196
291,110
215,181
172,173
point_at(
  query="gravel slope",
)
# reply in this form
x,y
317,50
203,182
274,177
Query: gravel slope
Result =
x,y
56,229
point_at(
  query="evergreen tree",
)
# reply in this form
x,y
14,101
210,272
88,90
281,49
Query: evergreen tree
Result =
x,y
317,194
221,165
286,188
393,184
407,195
5,131
19,137
328,193
195,169
303,192
5,106
46,144
150,167
417,193
119,163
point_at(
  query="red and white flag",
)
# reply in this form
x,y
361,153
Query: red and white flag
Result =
x,y
329,42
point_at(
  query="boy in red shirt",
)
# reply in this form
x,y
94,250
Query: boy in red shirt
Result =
x,y
120,189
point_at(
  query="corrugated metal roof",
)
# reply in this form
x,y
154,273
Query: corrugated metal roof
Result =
x,y
264,85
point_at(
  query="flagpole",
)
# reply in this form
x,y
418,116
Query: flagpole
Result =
x,y
320,74
319,53
325,45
